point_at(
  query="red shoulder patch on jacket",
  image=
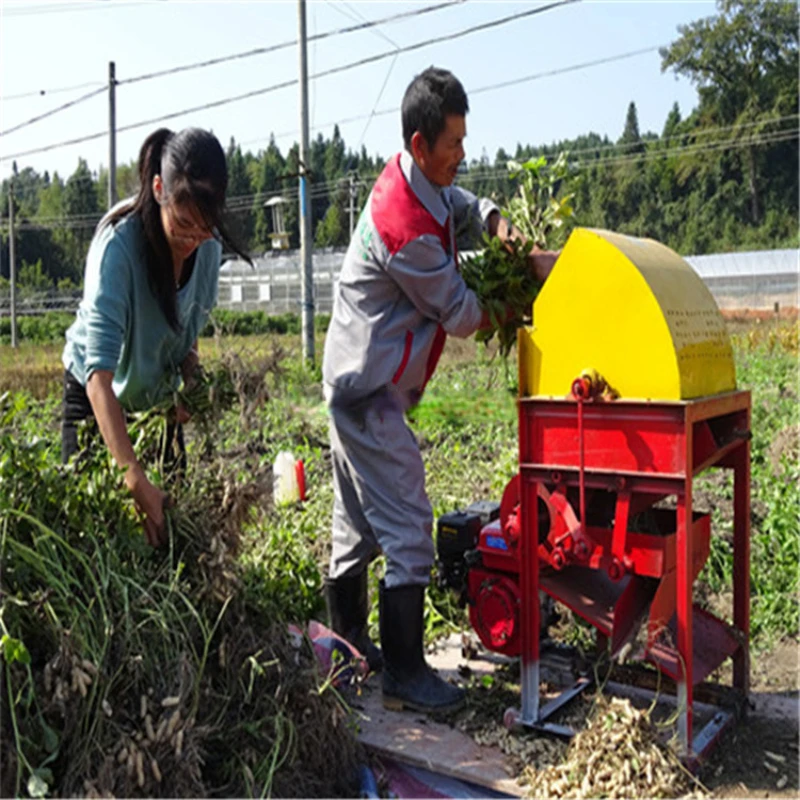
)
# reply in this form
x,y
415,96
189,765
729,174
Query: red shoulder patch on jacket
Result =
x,y
398,214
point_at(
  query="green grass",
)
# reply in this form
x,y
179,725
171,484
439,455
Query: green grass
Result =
x,y
78,580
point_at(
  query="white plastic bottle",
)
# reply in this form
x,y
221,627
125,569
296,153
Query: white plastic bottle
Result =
x,y
284,479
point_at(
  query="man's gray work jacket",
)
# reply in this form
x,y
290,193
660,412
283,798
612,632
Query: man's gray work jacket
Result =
x,y
399,292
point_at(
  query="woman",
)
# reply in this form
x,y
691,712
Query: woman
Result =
x,y
151,281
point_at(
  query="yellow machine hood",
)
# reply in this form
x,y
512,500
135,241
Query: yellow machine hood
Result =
x,y
633,310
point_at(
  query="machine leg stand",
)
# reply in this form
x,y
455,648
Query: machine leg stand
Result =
x,y
683,720
515,719
528,713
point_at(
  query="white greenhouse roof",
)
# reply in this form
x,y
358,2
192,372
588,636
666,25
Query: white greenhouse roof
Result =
x,y
284,261
718,265
758,262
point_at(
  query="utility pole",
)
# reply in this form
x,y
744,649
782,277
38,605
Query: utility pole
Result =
x,y
352,207
307,270
12,270
112,135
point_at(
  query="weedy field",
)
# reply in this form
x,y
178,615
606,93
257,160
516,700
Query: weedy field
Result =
x,y
171,672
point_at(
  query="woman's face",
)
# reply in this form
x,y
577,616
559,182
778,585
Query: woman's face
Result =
x,y
183,225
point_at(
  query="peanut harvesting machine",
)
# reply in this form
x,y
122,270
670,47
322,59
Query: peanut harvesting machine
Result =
x,y
627,392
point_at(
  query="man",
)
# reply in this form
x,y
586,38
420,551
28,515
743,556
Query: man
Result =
x,y
399,295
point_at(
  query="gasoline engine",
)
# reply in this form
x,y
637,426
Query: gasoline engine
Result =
x,y
477,560
627,393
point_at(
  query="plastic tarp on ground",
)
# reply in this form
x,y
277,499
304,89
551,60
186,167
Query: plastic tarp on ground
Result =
x,y
405,781
401,780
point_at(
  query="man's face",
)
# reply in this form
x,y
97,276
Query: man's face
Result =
x,y
440,163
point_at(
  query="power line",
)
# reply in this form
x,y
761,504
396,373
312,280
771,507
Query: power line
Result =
x,y
134,125
292,42
720,145
375,105
53,111
515,81
354,14
687,134
563,70
43,92
364,25
374,113
481,89
445,38
700,132
247,200
285,84
55,8
244,203
726,144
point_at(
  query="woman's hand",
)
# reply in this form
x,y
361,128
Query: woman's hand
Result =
x,y
190,365
148,499
150,502
181,414
190,372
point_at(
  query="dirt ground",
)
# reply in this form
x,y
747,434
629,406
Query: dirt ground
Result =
x,y
756,757
749,315
759,757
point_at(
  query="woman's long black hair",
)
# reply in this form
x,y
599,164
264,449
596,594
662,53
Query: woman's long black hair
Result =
x,y
192,167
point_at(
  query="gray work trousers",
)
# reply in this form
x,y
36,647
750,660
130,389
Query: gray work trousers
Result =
x,y
380,504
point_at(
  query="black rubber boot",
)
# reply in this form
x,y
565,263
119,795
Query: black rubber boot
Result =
x,y
347,609
408,682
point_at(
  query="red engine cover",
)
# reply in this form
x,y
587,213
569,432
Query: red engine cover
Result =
x,y
494,611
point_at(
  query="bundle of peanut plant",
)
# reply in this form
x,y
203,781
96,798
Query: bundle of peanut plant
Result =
x,y
506,288
500,274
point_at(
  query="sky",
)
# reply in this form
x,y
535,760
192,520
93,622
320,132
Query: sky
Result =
x,y
55,46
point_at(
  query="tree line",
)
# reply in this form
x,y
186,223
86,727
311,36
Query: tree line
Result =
x,y
722,178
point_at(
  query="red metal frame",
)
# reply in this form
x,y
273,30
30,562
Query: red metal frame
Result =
x,y
642,452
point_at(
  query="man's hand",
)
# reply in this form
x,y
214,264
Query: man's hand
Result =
x,y
541,262
149,502
506,315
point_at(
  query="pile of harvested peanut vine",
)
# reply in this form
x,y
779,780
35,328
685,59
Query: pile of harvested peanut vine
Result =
x,y
133,672
618,755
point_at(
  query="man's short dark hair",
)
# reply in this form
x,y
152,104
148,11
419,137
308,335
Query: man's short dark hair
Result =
x,y
430,97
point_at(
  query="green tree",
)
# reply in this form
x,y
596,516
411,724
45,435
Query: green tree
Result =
x,y
239,219
55,237
332,230
631,138
318,184
82,207
33,278
127,180
673,122
744,62
291,211
335,156
26,191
